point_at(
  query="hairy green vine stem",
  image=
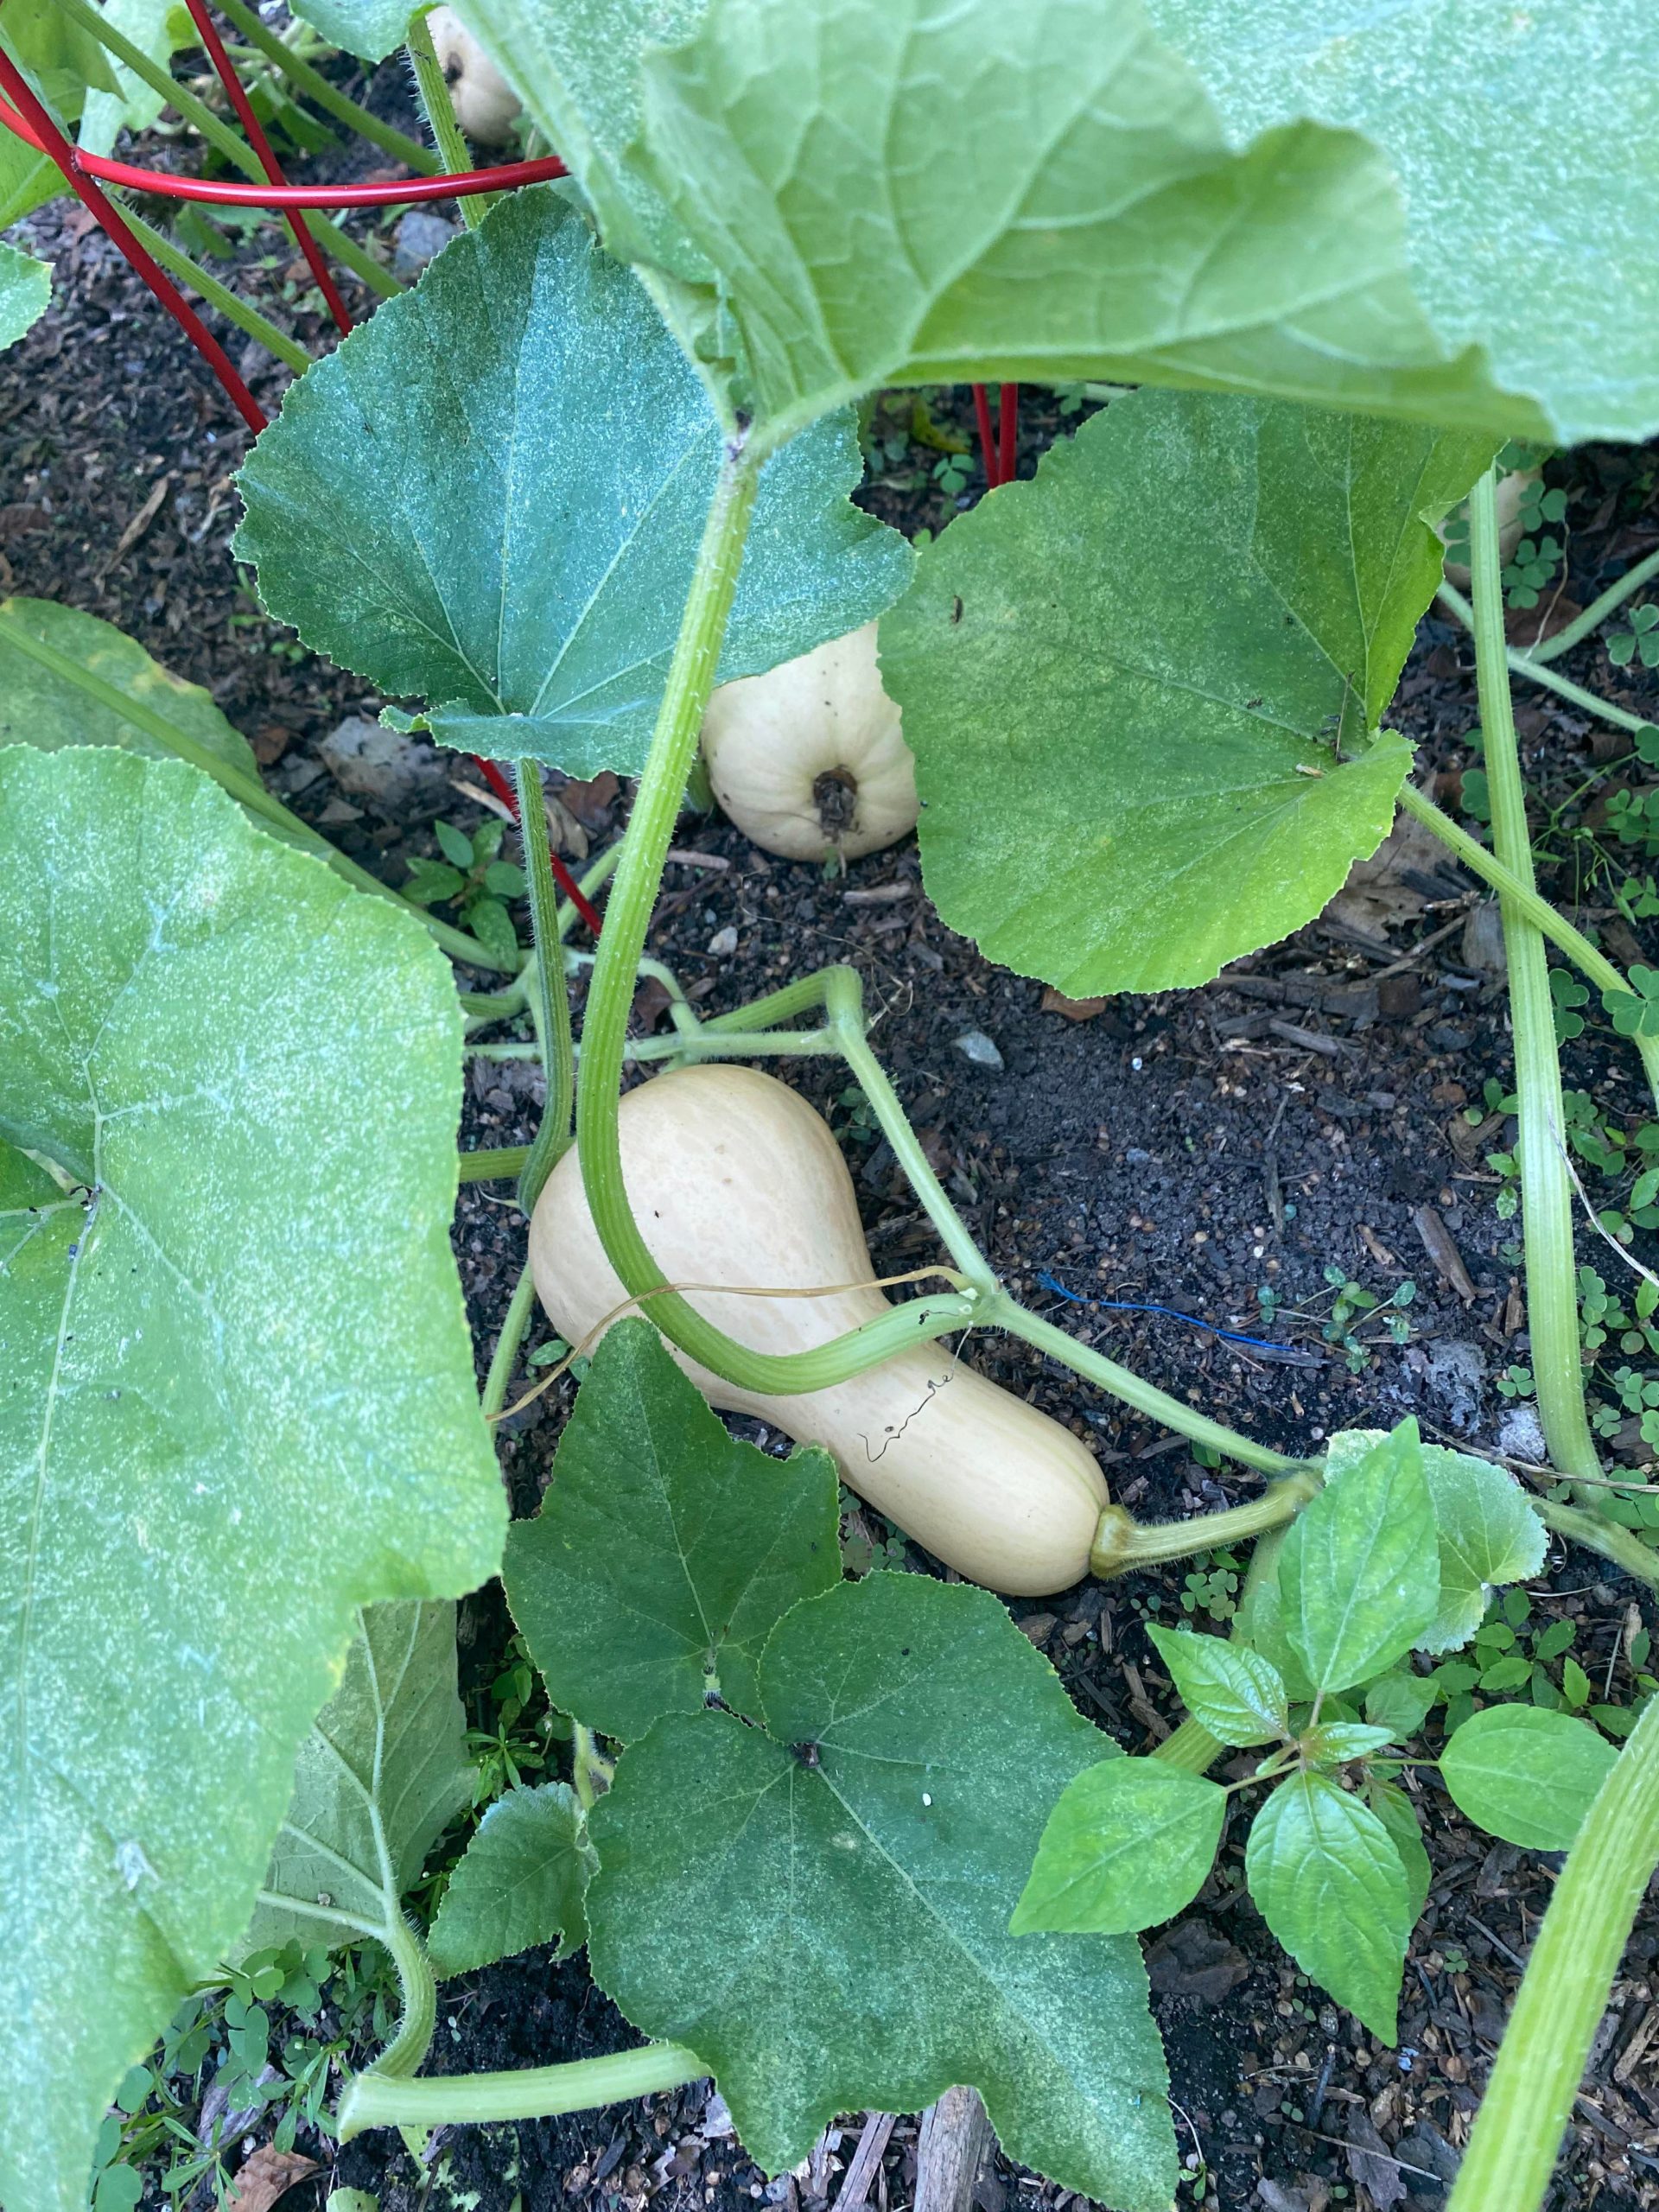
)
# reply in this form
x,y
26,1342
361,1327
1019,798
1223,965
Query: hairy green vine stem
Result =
x,y
329,97
376,2099
405,2054
1534,666
552,996
1544,918
1540,2062
1605,603
674,743
520,1309
231,304
248,788
1546,1186
453,153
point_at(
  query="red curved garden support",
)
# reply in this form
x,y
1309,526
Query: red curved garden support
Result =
x,y
44,135
236,92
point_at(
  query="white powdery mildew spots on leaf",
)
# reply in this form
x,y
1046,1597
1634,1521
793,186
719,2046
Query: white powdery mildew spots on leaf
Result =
x,y
239,1395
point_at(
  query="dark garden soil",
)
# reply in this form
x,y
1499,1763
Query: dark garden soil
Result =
x,y
1304,1113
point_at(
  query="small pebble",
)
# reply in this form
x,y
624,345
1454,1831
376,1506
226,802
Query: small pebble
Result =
x,y
723,942
973,1045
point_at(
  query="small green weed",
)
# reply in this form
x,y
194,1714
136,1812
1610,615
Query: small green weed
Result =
x,y
472,877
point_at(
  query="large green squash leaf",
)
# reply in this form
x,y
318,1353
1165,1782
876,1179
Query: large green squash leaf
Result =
x,y
381,1773
576,64
820,1907
1526,139
1126,682
238,1397
492,498
721,1543
25,289
40,706
895,192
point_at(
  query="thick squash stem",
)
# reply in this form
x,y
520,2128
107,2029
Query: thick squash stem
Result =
x,y
378,2100
1544,918
1123,1544
1540,2062
1545,1185
673,747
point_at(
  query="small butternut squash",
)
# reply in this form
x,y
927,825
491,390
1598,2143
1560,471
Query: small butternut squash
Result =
x,y
735,1178
485,105
810,759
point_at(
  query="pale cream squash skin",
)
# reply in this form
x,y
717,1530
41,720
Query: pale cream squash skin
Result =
x,y
485,105
810,759
734,1179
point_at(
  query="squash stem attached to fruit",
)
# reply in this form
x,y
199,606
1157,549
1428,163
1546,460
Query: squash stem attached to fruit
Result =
x,y
1540,2062
1546,1188
1124,1544
552,998
375,2099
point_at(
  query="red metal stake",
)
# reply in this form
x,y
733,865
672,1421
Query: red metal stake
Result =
x,y
45,135
561,875
1007,430
237,94
988,452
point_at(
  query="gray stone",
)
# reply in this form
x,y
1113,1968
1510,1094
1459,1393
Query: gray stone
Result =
x,y
419,238
373,762
973,1045
1520,1436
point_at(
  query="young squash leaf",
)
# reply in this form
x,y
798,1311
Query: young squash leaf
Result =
x,y
208,1460
25,289
820,1906
1489,1534
1359,1576
1162,665
665,1551
1129,1844
368,28
552,457
1494,119
1327,1879
520,1882
38,707
1526,1773
380,1774
894,194
1234,1692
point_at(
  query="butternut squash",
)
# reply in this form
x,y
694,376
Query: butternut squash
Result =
x,y
485,105
735,1178
810,759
